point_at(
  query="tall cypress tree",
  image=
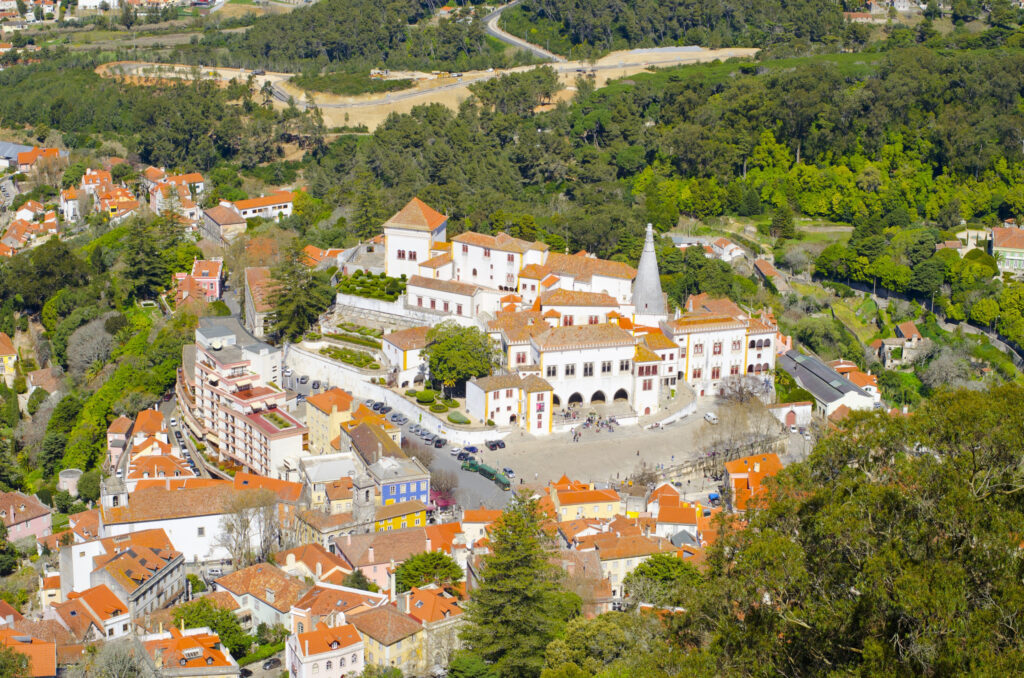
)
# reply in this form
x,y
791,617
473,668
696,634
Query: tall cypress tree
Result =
x,y
519,606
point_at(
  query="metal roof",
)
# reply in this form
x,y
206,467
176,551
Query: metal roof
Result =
x,y
822,381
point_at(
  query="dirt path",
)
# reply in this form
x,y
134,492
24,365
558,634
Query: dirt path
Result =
x,y
372,109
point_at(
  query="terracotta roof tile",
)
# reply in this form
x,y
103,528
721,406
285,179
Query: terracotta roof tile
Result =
x,y
261,286
416,216
576,298
410,339
328,639
583,336
449,286
266,583
583,267
331,400
385,624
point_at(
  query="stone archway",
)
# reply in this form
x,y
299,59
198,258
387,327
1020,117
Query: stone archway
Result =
x,y
575,399
555,400
598,397
621,394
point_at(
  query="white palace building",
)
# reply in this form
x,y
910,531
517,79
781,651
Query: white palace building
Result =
x,y
573,329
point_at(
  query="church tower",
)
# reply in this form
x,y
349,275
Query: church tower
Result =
x,y
363,502
648,299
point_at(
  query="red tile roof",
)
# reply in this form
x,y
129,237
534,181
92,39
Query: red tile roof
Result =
x,y
42,656
261,286
385,624
332,400
266,583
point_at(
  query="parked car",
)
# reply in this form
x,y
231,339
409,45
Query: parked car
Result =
x,y
174,422
461,456
491,445
440,442
385,409
304,379
167,396
430,438
395,417
377,406
272,663
711,418
509,472
500,444
456,451
370,403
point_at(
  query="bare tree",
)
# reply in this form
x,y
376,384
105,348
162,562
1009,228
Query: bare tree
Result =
x,y
740,388
444,481
115,659
249,527
88,345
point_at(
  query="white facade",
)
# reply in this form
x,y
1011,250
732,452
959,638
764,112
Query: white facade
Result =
x,y
405,250
450,297
586,375
714,348
195,536
307,655
507,399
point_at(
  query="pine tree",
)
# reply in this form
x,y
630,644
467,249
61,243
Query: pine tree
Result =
x,y
145,271
519,606
301,296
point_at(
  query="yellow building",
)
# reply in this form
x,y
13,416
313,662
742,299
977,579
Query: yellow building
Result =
x,y
573,499
325,413
403,514
8,358
391,639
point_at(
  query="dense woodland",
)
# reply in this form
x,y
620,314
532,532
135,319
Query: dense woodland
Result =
x,y
894,550
355,35
603,25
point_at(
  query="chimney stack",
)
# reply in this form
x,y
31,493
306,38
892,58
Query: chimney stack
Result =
x,y
369,553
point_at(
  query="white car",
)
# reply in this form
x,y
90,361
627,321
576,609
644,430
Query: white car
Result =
x,y
456,451
174,422
711,418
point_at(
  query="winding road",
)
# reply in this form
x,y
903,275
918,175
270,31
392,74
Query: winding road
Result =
x,y
492,29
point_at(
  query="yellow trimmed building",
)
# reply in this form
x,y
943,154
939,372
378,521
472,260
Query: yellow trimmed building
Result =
x,y
325,413
401,515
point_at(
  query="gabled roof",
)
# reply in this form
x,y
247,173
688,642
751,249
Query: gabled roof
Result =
x,y
1008,238
331,400
189,651
42,656
328,639
908,330
416,216
266,583
502,242
432,603
410,339
149,423
822,381
323,600
285,490
19,508
449,286
562,297
312,555
765,268
261,286
279,198
583,336
6,345
385,624
581,266
704,302
224,216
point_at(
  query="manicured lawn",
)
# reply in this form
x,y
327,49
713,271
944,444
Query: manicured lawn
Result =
x,y
350,356
372,286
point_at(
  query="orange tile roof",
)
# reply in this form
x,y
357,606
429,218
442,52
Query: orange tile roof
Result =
x,y
534,272
562,297
331,400
1008,238
438,261
6,345
189,651
37,153
614,547
432,603
312,555
264,581
582,267
747,475
410,339
704,322
704,302
909,330
642,354
279,198
121,425
480,515
158,466
285,490
149,422
416,216
188,497
153,173
502,242
678,515
862,379
328,639
583,336
42,656
765,268
574,497
339,489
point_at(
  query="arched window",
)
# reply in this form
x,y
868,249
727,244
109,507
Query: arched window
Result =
x,y
752,343
328,666
316,669
474,272
767,343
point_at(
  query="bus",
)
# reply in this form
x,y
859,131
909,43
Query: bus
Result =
x,y
469,465
501,481
487,472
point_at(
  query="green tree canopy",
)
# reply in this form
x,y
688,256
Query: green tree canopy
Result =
x,y
224,623
456,353
300,296
430,567
519,606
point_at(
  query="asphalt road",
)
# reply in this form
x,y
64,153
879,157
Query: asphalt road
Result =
x,y
491,28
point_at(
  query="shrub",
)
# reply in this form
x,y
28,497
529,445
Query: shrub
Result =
x,y
36,399
411,393
438,408
450,402
373,366
490,422
425,397
458,418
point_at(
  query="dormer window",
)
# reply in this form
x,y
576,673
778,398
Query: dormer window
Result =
x,y
334,645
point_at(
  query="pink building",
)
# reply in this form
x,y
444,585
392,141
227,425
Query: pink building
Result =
x,y
24,516
206,278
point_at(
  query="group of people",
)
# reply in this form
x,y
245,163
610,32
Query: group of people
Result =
x,y
597,422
